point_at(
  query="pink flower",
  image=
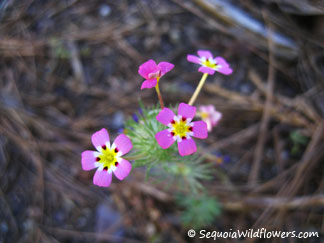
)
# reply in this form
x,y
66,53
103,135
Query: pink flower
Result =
x,y
210,115
152,72
181,129
209,64
107,158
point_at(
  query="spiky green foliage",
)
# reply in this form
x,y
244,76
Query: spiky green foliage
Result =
x,y
199,210
142,133
186,172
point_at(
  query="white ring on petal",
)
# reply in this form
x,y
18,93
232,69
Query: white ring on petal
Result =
x,y
101,167
190,134
113,146
218,67
188,121
211,60
96,154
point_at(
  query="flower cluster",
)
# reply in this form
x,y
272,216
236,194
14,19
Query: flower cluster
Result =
x,y
179,128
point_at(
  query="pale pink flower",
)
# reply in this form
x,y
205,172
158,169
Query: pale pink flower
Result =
x,y
209,64
152,72
107,159
210,115
180,129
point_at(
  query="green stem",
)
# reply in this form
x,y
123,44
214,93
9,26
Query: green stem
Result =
x,y
159,93
197,91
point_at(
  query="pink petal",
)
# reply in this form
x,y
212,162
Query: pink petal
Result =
x,y
221,61
206,108
209,125
200,129
147,67
165,116
187,147
210,108
194,59
186,110
165,67
100,138
164,139
206,70
225,70
148,84
102,178
88,160
203,53
215,117
123,144
122,169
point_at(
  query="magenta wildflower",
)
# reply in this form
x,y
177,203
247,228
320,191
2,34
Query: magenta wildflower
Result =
x,y
152,72
181,129
107,158
209,64
210,115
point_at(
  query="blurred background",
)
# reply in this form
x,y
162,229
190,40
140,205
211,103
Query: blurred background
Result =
x,y
69,68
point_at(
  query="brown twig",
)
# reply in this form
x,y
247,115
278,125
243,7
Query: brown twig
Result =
x,y
298,103
276,203
290,117
254,174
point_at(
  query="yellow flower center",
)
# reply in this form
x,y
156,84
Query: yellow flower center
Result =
x,y
204,115
209,64
180,128
108,157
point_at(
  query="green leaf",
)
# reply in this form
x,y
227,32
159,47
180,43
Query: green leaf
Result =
x,y
298,138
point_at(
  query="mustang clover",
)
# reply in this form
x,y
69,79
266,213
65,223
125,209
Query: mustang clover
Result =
x,y
210,115
181,129
107,158
152,72
209,64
